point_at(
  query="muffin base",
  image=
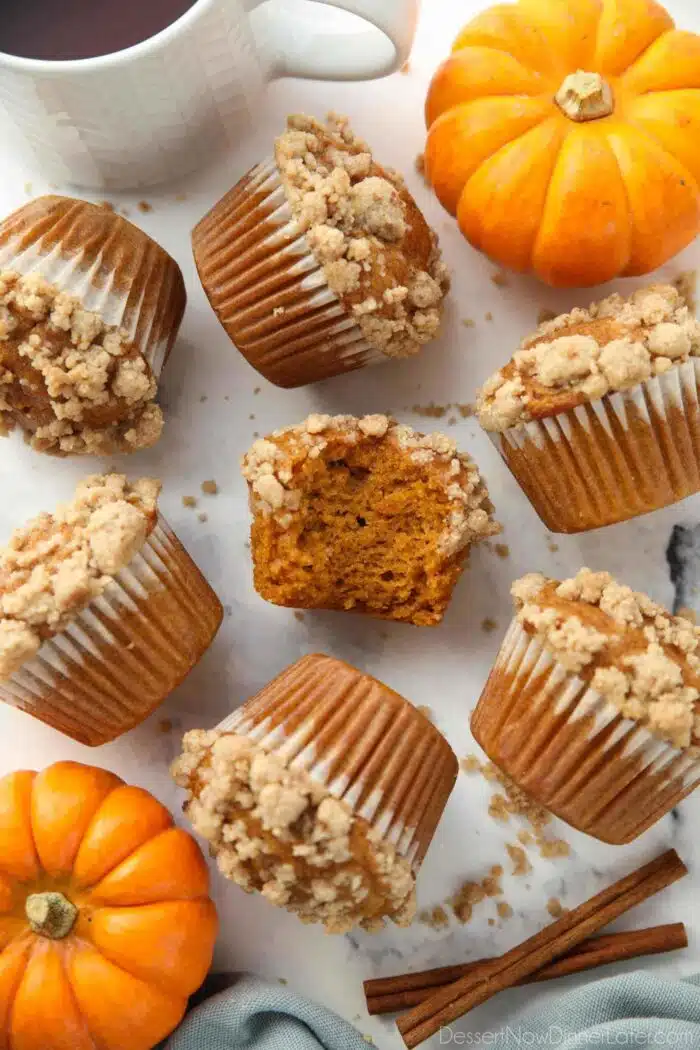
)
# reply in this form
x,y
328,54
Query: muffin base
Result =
x,y
362,741
269,292
126,651
572,751
612,459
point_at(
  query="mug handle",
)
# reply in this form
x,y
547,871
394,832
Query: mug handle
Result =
x,y
299,51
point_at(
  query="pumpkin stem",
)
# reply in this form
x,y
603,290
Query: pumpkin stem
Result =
x,y
50,914
585,96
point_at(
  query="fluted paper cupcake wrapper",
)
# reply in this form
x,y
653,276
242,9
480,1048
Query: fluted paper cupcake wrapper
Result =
x,y
363,742
268,289
112,267
120,657
609,460
572,750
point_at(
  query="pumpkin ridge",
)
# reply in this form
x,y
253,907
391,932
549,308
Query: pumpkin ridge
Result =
x,y
60,948
27,951
599,60
645,132
641,126
641,55
510,142
623,180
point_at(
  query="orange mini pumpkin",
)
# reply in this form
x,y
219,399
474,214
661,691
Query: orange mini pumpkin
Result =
x,y
105,918
565,137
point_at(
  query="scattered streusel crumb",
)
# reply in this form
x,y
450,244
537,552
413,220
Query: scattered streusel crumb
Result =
x,y
488,625
406,67
452,421
180,197
467,410
426,711
165,725
526,837
545,314
107,205
521,865
282,980
687,614
189,501
468,322
504,909
491,922
202,517
256,390
500,279
470,764
686,284
298,615
430,411
437,918
210,488
144,206
502,550
551,545
488,316
555,907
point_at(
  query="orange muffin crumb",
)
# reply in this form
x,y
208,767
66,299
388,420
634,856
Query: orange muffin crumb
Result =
x,y
364,515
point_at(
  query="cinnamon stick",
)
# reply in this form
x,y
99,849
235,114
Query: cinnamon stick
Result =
x,y
555,940
391,994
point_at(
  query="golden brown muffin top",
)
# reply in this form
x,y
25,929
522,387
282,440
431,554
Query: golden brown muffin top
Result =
x,y
77,384
631,650
583,355
276,830
56,564
377,252
271,465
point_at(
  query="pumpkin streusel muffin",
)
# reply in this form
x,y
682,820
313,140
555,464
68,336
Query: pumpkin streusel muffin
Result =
x,y
593,707
364,515
323,793
89,309
597,414
102,611
318,261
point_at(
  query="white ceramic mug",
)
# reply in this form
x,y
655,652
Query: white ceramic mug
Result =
x,y
157,110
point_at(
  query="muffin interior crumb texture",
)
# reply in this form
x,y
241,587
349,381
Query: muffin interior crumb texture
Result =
x,y
581,356
276,830
377,252
54,566
632,651
73,383
363,514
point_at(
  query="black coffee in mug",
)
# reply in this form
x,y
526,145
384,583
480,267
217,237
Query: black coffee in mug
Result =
x,y
59,30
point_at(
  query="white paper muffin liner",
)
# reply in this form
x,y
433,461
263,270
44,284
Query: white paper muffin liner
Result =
x,y
119,658
268,289
111,266
572,750
363,742
609,460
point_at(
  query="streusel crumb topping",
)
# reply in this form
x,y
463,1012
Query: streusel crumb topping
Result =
x,y
272,463
378,254
613,345
74,383
631,650
276,830
54,566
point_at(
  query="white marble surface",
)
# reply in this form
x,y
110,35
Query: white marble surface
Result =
x,y
212,412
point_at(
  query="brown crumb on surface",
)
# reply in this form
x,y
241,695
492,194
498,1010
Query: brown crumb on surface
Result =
x,y
107,205
144,206
502,550
202,517
256,390
469,894
526,837
452,421
491,921
430,411
488,316
551,849
521,864
687,613
491,885
551,545
496,871
406,67
426,711
555,907
488,625
500,279
467,410
179,197
282,980
437,918
504,909
166,725
470,764
468,322
210,488
189,501
298,615
545,314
